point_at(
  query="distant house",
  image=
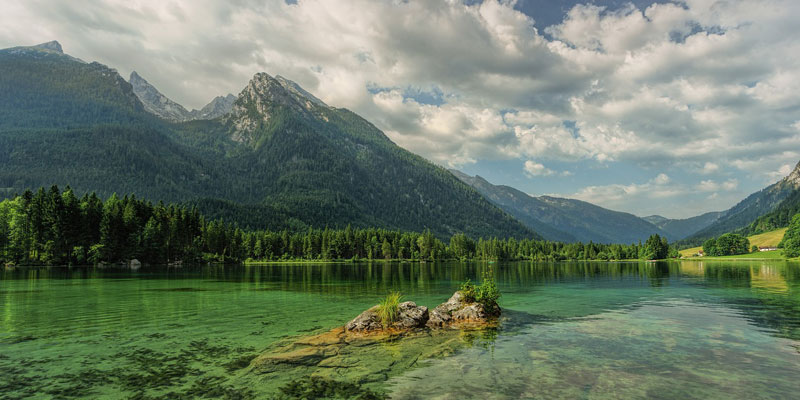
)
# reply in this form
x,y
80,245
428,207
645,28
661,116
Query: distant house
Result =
x,y
699,253
767,248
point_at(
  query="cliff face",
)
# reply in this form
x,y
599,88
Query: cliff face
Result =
x,y
155,102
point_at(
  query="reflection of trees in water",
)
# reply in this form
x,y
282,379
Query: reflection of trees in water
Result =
x,y
531,273
767,294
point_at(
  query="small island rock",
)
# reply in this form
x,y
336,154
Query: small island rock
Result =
x,y
456,310
409,316
367,321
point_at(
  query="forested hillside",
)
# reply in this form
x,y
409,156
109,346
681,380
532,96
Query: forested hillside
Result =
x,y
682,228
280,159
762,211
566,220
50,227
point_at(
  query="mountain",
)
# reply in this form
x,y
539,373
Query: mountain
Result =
x,y
161,106
779,197
218,107
565,219
41,87
280,159
155,102
782,214
682,228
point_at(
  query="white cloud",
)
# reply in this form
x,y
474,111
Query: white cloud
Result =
x,y
709,168
670,84
533,169
782,172
709,185
617,196
634,92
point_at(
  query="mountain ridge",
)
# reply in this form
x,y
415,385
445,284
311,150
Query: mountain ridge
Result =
x,y
564,219
299,164
163,107
747,212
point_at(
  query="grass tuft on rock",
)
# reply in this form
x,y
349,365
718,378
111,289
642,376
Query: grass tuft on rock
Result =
x,y
389,308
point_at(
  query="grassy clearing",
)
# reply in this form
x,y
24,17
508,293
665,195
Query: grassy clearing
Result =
x,y
761,255
768,239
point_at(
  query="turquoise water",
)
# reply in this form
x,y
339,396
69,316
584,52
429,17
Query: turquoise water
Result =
x,y
569,330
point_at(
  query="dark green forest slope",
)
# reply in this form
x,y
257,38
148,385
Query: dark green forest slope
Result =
x,y
280,159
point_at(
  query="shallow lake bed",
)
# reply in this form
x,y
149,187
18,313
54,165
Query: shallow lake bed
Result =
x,y
569,330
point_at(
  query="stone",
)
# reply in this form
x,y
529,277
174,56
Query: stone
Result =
x,y
456,310
438,318
470,312
411,316
367,321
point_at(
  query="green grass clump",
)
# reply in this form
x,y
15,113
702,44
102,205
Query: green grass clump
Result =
x,y
389,308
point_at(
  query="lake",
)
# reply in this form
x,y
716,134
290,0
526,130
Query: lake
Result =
x,y
719,330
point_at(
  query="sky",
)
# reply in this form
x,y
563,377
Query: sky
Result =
x,y
672,107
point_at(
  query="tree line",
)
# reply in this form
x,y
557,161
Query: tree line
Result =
x,y
729,244
51,227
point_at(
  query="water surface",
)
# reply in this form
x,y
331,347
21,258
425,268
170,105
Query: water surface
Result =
x,y
570,330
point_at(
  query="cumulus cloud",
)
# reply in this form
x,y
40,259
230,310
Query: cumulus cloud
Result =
x,y
674,83
709,185
709,168
534,169
616,196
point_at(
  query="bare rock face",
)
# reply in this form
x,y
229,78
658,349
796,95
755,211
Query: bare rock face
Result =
x,y
470,312
367,321
411,316
456,310
156,103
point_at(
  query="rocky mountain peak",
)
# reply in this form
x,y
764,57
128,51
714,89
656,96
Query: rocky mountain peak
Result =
x,y
794,177
155,102
298,91
219,106
261,98
51,46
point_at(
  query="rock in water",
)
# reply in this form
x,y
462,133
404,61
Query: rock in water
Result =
x,y
411,316
367,321
470,312
456,310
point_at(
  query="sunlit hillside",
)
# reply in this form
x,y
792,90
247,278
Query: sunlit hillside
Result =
x,y
767,239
